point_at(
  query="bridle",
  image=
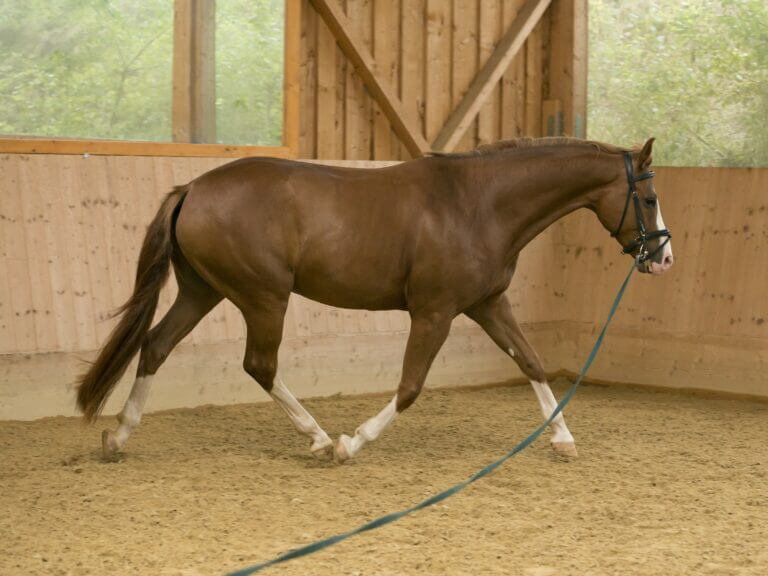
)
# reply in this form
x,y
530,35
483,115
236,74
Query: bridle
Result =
x,y
643,236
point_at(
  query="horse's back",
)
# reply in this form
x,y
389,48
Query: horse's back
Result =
x,y
337,235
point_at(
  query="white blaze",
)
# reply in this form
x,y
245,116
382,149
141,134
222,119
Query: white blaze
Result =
x,y
666,252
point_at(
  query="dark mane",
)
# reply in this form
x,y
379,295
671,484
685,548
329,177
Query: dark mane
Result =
x,y
517,143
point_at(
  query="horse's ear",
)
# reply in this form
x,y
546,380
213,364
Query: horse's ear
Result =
x,y
646,155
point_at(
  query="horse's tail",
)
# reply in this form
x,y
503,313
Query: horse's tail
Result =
x,y
95,386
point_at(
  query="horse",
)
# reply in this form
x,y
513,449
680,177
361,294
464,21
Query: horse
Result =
x,y
437,236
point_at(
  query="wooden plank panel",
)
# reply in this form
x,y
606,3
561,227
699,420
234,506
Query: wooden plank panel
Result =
x,y
512,84
437,67
358,105
354,48
567,62
508,48
533,82
183,17
204,73
98,230
341,102
16,259
131,148
309,78
412,65
39,259
75,223
328,144
464,61
62,322
490,31
292,75
383,25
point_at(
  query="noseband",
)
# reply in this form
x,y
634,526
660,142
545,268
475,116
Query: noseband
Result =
x,y
643,236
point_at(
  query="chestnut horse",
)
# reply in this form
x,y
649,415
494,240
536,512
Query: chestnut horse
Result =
x,y
437,236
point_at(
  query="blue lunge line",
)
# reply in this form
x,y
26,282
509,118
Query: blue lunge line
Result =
x,y
378,522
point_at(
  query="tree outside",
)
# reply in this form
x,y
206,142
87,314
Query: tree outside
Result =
x,y
693,73
103,69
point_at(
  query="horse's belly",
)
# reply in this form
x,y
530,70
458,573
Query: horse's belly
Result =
x,y
343,291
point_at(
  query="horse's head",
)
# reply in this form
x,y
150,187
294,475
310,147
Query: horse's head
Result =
x,y
629,208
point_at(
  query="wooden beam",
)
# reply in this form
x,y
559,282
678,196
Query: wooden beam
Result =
x,y
568,64
482,86
181,105
194,78
382,91
135,148
292,75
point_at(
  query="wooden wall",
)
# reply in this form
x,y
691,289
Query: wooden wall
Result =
x,y
704,324
430,50
71,227
70,232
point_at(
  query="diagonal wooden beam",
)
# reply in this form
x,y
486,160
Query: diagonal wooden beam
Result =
x,y
382,91
483,84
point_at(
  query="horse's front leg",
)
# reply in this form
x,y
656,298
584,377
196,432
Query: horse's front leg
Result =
x,y
428,332
495,317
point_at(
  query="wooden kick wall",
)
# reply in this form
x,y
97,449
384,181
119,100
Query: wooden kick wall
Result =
x,y
430,50
70,232
71,227
704,324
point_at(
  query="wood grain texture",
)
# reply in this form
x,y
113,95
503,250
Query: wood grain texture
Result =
x,y
71,228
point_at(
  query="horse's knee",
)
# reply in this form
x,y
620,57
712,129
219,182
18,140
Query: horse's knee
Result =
x,y
261,369
407,393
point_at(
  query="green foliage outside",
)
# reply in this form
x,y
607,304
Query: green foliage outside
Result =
x,y
249,71
86,68
103,69
693,73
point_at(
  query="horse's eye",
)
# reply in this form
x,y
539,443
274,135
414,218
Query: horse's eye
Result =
x,y
650,201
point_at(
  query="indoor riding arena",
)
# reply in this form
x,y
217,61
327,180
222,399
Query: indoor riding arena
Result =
x,y
337,333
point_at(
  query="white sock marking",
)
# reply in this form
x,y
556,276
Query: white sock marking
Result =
x,y
548,403
130,416
372,428
302,420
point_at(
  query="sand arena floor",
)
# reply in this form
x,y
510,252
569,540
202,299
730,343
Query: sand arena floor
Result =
x,y
665,484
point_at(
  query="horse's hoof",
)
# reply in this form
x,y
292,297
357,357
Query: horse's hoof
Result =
x,y
322,450
567,449
342,451
109,446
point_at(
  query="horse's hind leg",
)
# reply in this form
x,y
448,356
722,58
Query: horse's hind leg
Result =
x,y
495,317
265,330
194,300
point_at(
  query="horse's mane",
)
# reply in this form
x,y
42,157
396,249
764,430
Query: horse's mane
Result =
x,y
516,143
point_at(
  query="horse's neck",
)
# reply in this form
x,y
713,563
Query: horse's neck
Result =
x,y
529,191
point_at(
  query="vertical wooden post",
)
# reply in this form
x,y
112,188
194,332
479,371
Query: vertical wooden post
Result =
x,y
568,64
291,75
194,75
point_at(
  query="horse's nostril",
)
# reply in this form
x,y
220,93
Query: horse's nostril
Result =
x,y
668,261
